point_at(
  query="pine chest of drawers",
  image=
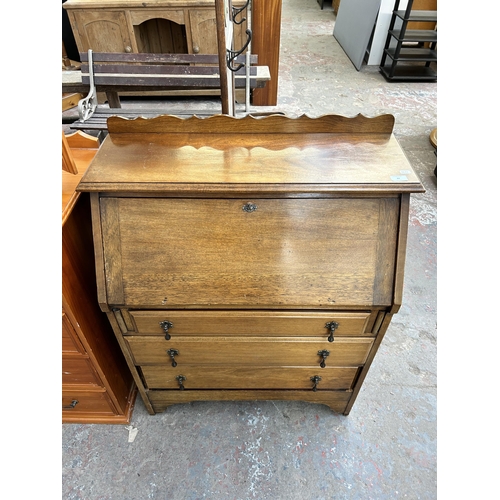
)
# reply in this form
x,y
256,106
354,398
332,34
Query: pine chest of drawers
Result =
x,y
250,258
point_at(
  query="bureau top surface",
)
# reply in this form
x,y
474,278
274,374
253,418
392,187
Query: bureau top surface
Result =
x,y
224,154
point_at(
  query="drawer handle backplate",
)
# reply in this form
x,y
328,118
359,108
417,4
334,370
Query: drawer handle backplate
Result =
x,y
166,325
249,207
72,405
315,381
332,326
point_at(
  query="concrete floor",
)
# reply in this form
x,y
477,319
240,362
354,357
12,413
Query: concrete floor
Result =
x,y
386,447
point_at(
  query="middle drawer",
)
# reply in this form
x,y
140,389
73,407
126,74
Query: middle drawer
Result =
x,y
249,351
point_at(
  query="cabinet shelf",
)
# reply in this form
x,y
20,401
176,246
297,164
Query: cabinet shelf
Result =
x,y
410,51
410,73
415,35
421,16
413,54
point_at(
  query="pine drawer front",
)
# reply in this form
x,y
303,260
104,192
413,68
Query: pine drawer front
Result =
x,y
78,371
280,253
249,351
70,342
76,402
161,377
250,323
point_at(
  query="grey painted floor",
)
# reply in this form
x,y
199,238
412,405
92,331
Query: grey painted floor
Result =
x,y
386,448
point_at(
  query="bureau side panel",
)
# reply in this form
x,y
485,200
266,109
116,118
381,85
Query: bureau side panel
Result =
x,y
111,239
388,221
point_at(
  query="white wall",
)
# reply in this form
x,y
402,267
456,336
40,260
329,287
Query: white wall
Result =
x,y
381,28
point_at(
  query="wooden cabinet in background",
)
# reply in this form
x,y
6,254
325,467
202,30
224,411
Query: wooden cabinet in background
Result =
x,y
159,26
176,26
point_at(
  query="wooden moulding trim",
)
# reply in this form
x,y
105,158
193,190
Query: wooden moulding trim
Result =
x,y
131,4
244,191
224,124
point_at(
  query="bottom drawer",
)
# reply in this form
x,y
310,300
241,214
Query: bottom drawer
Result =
x,y
336,400
166,377
86,402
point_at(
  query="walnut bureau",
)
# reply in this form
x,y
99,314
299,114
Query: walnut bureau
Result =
x,y
250,258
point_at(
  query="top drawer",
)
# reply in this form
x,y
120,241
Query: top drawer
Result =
x,y
258,323
259,253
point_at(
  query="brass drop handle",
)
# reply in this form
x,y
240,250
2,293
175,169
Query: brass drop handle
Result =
x,y
72,405
181,379
172,353
324,354
166,325
332,326
315,381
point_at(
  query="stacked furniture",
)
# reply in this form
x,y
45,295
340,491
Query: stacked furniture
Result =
x,y
250,258
176,26
409,53
97,386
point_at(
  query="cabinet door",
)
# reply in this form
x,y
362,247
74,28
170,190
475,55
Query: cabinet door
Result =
x,y
102,31
204,32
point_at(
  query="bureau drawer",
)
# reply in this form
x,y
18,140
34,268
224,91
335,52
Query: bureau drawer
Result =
x,y
229,253
249,351
78,371
265,323
161,377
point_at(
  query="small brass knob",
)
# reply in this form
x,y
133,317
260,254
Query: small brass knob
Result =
x,y
196,49
128,49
